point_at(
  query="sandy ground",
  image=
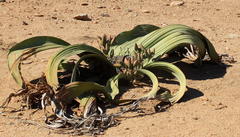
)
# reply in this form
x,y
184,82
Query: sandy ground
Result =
x,y
210,108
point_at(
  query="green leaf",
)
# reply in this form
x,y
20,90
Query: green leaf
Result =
x,y
87,101
28,48
113,88
138,31
112,85
54,61
175,71
178,40
153,78
79,90
168,39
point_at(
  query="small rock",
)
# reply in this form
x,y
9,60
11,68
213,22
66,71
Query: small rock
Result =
x,y
2,0
177,3
238,14
101,7
167,4
24,23
146,11
195,118
126,128
84,4
39,15
220,103
83,17
105,15
129,10
54,18
95,22
116,8
205,99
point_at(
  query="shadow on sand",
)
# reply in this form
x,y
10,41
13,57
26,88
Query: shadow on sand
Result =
x,y
207,70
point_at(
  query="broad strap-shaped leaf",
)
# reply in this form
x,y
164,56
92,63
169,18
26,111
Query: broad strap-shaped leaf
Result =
x,y
88,101
138,31
28,48
176,41
175,36
175,71
79,89
153,78
168,39
54,61
112,85
113,88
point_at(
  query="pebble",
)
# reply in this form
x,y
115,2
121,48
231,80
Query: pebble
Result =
x,y
105,15
24,23
95,22
83,17
84,4
238,14
101,7
126,128
116,8
195,19
146,11
2,0
39,15
54,17
195,118
177,3
167,4
205,100
129,10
